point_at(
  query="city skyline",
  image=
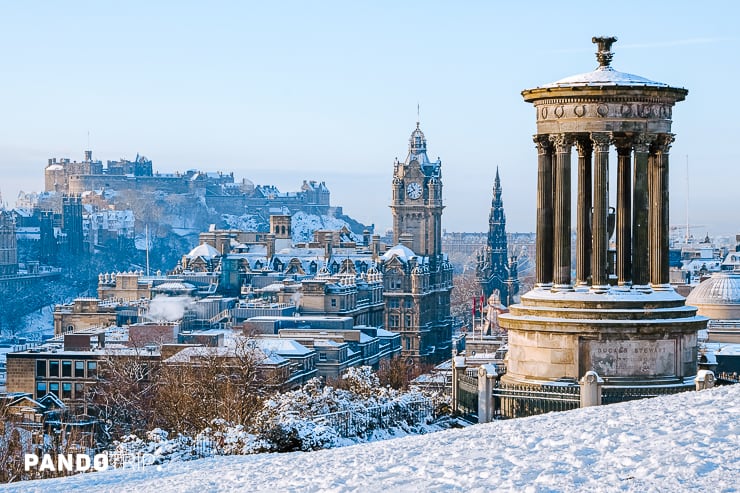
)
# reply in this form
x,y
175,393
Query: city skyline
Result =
x,y
329,92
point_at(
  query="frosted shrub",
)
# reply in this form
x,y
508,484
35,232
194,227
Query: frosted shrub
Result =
x,y
296,434
156,449
224,438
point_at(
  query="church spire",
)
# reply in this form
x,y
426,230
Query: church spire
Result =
x,y
497,192
494,272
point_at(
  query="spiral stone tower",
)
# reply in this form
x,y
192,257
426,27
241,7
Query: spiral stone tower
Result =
x,y
618,316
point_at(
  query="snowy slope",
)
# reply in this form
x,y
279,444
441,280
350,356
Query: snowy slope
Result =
x,y
674,443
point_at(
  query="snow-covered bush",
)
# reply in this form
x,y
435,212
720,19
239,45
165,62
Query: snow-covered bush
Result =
x,y
295,434
155,449
224,438
355,410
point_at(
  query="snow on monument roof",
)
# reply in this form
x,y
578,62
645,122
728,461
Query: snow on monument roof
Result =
x,y
400,251
605,76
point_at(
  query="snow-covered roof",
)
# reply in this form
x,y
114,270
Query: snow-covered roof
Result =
x,y
723,288
300,252
191,354
282,346
54,167
605,76
174,286
275,287
400,251
203,250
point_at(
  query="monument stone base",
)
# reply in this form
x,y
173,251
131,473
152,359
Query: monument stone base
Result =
x,y
629,337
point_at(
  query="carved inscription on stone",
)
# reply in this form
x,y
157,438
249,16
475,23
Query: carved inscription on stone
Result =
x,y
630,358
639,111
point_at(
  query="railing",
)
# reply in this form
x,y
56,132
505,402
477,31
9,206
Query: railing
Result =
x,y
224,314
518,401
726,377
467,394
620,394
356,422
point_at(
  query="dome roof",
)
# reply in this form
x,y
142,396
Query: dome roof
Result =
x,y
203,250
723,288
400,251
605,76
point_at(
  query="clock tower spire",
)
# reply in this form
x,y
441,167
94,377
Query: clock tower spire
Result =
x,y
417,198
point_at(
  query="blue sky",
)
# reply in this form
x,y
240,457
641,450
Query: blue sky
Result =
x,y
279,92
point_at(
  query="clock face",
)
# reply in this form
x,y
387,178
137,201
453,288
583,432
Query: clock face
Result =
x,y
413,190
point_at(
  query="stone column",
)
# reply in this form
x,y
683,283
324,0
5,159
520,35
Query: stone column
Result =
x,y
599,274
591,384
487,376
658,219
640,207
458,369
561,209
543,264
704,379
583,213
624,212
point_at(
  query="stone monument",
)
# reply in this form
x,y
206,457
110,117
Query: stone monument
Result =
x,y
619,317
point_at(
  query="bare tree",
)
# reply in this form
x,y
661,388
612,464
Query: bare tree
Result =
x,y
123,395
398,373
466,288
212,383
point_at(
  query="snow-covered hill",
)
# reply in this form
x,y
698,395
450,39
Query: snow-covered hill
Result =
x,y
685,442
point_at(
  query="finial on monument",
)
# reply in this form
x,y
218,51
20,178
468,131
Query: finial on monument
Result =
x,y
604,55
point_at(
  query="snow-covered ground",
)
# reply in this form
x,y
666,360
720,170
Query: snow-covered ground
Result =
x,y
685,442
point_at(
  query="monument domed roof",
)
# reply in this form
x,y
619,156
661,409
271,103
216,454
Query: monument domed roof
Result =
x,y
723,288
605,76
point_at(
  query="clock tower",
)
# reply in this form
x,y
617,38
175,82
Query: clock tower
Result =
x,y
417,198
417,276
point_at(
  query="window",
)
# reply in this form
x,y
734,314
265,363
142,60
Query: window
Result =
x,y
408,343
92,367
409,303
334,302
79,369
53,368
79,391
322,356
407,321
66,390
54,388
394,303
66,368
40,389
393,321
40,367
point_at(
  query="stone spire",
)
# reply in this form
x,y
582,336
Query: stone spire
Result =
x,y
494,265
